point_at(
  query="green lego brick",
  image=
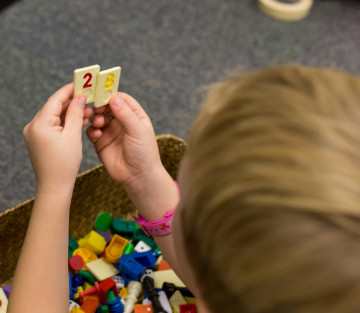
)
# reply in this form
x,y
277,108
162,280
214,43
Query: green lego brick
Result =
x,y
103,221
129,248
88,277
104,308
122,227
73,245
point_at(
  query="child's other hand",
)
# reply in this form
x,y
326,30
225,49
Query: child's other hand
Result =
x,y
53,139
125,142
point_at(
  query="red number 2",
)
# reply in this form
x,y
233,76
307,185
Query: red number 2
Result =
x,y
87,85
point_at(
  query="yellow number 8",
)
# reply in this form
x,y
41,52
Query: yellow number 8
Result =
x,y
109,81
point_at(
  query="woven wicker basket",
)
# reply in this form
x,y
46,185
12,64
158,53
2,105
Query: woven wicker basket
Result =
x,y
94,192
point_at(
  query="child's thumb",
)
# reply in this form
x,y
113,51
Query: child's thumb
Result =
x,y
74,116
126,116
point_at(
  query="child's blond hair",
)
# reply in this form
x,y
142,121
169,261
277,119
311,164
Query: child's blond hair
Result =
x,y
272,219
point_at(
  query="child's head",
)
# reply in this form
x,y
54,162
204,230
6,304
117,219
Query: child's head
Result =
x,y
271,213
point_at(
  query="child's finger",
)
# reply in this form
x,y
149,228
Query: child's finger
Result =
x,y
93,134
102,109
133,104
137,108
88,112
54,105
126,116
100,120
65,105
85,122
75,116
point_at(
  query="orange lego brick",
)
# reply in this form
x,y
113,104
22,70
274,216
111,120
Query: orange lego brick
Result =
x,y
164,265
90,305
143,308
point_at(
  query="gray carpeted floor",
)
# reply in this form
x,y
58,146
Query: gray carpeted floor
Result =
x,y
168,51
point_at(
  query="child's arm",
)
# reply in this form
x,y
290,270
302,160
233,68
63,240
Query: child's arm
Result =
x,y
127,146
53,139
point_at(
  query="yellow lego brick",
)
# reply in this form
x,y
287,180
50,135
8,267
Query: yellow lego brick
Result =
x,y
115,249
76,309
87,286
160,258
190,300
78,290
123,293
93,242
175,300
86,255
168,276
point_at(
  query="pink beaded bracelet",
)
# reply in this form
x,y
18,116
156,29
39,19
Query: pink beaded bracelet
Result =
x,y
160,227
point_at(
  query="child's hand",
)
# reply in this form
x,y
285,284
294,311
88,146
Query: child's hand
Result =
x,y
124,140
53,139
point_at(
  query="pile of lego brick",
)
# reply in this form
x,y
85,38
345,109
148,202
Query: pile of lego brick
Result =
x,y
117,268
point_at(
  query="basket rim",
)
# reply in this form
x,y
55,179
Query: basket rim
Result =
x,y
84,173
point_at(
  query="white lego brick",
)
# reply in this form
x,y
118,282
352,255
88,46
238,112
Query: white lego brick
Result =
x,y
142,247
164,301
102,269
72,304
3,301
120,283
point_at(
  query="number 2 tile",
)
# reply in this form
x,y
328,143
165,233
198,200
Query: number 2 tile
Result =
x,y
85,82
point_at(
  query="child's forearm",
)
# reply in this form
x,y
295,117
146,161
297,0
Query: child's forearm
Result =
x,y
153,197
42,266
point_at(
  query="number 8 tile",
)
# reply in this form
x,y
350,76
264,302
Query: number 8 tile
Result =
x,y
107,85
85,82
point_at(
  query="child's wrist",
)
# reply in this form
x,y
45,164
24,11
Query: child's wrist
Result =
x,y
53,188
155,195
